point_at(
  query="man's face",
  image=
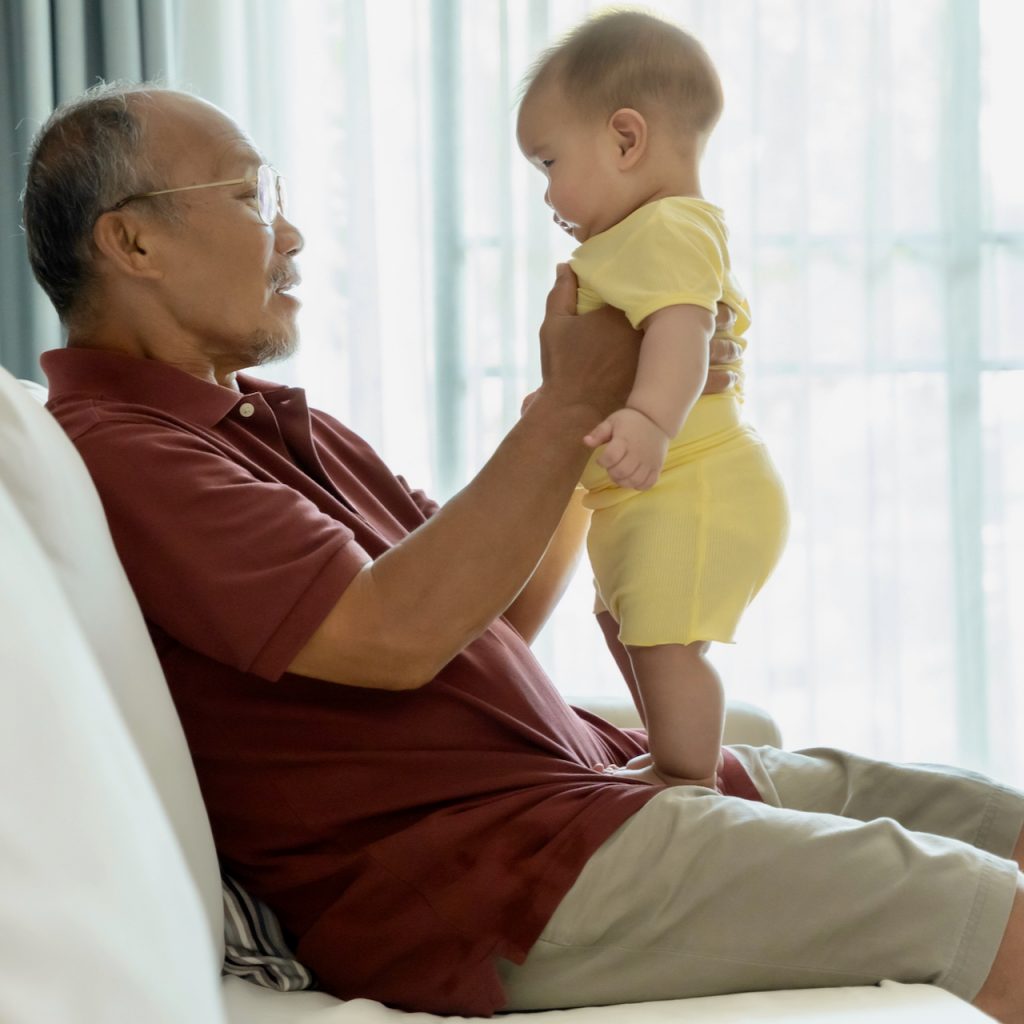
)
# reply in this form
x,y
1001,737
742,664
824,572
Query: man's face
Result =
x,y
225,272
577,157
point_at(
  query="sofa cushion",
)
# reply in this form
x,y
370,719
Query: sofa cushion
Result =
x,y
100,919
51,488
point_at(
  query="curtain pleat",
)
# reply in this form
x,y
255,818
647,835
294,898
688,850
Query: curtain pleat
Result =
x,y
49,53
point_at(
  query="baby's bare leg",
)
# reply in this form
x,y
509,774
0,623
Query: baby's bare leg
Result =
x,y
684,706
610,629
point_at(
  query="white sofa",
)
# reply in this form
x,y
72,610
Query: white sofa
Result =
x,y
110,899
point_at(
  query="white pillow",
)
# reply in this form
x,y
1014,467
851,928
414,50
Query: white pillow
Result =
x,y
52,489
100,922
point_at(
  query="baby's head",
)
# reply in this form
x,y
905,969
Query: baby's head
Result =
x,y
617,114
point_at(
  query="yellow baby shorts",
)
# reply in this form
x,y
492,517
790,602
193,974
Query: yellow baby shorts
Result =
x,y
679,563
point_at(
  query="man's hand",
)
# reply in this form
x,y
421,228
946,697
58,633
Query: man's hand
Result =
x,y
586,361
635,448
722,352
563,335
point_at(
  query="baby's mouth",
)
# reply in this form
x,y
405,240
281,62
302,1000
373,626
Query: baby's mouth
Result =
x,y
564,225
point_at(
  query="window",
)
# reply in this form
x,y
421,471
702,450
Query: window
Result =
x,y
868,167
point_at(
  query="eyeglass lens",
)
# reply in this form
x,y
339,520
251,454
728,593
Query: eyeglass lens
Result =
x,y
269,193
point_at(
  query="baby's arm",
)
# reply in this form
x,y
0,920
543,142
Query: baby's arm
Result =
x,y
670,376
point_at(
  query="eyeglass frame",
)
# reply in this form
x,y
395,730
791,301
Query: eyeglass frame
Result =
x,y
277,193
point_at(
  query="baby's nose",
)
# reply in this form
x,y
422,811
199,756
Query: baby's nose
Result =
x,y
547,198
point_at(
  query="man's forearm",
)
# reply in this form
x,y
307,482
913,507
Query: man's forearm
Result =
x,y
473,557
536,601
404,617
413,609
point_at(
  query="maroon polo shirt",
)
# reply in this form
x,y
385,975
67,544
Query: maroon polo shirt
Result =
x,y
405,839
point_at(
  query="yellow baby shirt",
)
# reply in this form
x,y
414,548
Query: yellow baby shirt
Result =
x,y
670,252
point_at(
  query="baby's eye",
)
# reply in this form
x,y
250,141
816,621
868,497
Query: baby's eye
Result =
x,y
547,163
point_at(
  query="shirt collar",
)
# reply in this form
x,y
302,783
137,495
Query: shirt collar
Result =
x,y
113,376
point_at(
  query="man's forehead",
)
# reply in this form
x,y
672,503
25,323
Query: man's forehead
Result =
x,y
183,126
240,155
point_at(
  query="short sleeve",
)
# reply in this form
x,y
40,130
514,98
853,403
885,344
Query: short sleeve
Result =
x,y
661,256
237,567
426,505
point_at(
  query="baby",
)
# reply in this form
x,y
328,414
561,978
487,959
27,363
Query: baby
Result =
x,y
689,513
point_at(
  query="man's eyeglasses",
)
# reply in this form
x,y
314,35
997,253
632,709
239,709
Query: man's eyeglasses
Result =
x,y
270,194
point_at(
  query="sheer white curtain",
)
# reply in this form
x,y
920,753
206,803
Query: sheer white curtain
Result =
x,y
869,164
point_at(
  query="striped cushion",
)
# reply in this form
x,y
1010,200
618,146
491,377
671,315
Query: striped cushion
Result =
x,y
254,947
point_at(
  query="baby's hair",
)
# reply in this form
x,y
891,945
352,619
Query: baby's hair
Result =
x,y
628,58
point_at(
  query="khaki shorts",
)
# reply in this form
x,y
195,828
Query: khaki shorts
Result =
x,y
853,871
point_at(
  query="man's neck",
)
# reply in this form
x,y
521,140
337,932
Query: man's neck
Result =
x,y
139,346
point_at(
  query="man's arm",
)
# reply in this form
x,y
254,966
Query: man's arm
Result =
x,y
537,600
404,616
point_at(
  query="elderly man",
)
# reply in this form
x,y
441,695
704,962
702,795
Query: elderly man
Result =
x,y
382,758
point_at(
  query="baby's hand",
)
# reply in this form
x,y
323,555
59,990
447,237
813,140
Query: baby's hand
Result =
x,y
635,448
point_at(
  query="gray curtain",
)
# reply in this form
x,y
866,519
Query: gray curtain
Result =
x,y
50,51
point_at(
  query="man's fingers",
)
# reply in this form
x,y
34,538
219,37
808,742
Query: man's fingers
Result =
x,y
724,318
722,351
562,297
719,381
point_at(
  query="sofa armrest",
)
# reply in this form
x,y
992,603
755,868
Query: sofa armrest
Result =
x,y
744,723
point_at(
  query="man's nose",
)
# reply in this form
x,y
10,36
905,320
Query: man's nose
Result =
x,y
287,236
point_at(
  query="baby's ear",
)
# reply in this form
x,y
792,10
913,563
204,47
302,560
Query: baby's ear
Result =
x,y
629,130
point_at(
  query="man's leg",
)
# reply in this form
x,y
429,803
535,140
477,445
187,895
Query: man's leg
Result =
x,y
937,799
1001,996
941,801
699,894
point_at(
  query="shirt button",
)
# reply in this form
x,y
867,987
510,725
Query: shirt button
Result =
x,y
246,409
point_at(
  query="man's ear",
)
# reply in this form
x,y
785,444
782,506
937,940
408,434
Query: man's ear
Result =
x,y
629,131
128,242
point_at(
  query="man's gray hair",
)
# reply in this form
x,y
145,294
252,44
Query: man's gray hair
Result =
x,y
88,156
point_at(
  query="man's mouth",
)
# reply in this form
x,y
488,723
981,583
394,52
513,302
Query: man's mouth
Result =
x,y
284,283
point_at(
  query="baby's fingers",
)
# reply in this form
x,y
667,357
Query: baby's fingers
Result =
x,y
614,452
601,434
637,475
627,472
